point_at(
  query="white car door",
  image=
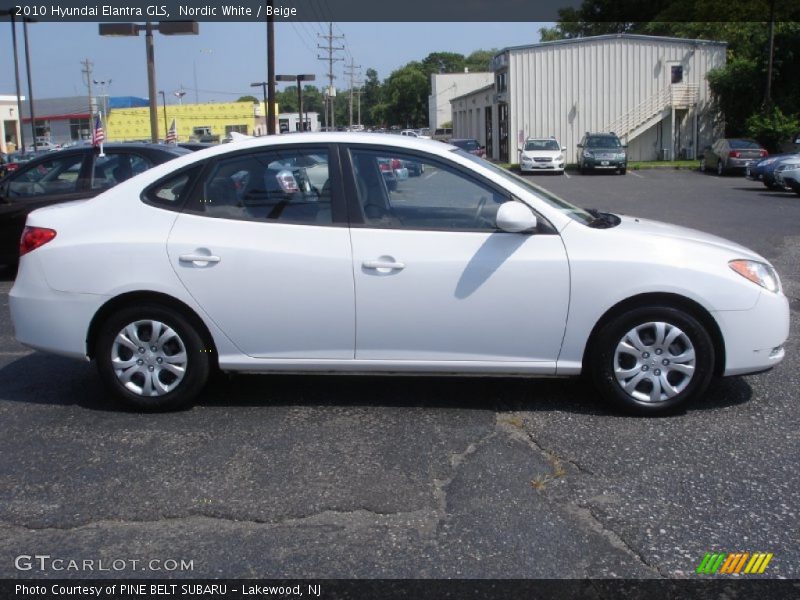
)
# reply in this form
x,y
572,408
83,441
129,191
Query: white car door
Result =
x,y
260,249
435,281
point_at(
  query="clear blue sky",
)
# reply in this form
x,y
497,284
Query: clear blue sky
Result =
x,y
237,54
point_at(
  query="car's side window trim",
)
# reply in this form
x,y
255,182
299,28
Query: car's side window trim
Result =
x,y
355,212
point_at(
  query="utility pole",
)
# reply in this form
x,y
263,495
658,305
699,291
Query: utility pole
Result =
x,y
270,108
330,48
87,73
30,85
351,71
20,130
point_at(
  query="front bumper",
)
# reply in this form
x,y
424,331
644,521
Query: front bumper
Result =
x,y
605,163
532,167
754,338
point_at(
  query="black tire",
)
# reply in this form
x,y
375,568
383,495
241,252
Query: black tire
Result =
x,y
702,165
196,367
623,171
603,358
720,169
583,169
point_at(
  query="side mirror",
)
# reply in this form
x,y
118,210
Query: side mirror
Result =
x,y
519,149
515,217
563,148
625,146
580,145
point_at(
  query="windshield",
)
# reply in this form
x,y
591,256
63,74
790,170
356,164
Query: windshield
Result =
x,y
573,212
542,145
604,141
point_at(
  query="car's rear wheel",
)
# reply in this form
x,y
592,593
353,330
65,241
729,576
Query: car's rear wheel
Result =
x,y
702,165
152,358
652,360
720,168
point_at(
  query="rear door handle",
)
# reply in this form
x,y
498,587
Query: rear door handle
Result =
x,y
199,258
383,264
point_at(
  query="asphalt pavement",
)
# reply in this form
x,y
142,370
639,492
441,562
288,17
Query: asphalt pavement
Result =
x,y
416,477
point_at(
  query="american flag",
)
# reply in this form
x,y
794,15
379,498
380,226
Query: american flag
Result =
x,y
98,135
172,134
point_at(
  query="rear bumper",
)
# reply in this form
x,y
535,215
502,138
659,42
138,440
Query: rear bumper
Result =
x,y
48,320
754,338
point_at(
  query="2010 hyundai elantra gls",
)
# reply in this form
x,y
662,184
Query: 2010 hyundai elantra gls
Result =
x,y
291,254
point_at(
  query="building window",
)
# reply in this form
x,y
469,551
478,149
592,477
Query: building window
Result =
x,y
676,74
501,82
79,129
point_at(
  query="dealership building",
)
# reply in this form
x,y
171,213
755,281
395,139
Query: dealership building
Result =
x,y
651,91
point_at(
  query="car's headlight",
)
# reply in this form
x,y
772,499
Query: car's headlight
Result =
x,y
587,154
526,158
757,272
559,158
621,155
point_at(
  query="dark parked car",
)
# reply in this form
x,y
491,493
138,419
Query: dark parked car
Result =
x,y
195,146
731,154
602,151
470,145
764,170
64,175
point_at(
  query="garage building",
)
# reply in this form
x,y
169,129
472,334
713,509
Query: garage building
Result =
x,y
651,91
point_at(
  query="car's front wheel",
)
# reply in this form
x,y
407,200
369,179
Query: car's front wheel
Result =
x,y
152,358
651,360
702,165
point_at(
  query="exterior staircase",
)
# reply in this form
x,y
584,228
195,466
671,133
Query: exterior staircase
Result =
x,y
678,96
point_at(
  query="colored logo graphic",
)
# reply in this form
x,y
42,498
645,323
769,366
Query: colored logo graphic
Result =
x,y
740,562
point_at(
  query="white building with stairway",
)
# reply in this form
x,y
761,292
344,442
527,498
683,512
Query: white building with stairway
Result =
x,y
651,91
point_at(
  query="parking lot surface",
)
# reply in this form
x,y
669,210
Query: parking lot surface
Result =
x,y
403,477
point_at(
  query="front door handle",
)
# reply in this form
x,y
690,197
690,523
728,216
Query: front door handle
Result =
x,y
383,265
199,258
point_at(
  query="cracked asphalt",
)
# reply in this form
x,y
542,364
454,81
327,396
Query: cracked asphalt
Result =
x,y
417,477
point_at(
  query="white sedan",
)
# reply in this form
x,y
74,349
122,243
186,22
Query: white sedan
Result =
x,y
230,258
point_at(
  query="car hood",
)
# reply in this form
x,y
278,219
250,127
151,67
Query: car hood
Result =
x,y
676,232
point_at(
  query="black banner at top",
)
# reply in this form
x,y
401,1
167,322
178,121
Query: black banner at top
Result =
x,y
406,11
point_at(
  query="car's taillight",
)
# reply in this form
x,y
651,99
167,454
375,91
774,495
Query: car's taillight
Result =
x,y
733,154
33,237
396,164
764,153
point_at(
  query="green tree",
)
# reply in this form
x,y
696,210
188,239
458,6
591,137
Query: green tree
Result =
x,y
406,95
252,99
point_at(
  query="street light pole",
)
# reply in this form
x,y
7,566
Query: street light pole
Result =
x,y
30,85
270,108
165,28
20,132
263,86
298,79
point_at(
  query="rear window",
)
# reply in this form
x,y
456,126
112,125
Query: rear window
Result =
x,y
743,144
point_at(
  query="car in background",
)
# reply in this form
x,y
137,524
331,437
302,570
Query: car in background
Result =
x,y
470,145
400,170
168,277
43,145
727,155
388,173
442,134
786,175
65,175
764,170
791,179
542,154
602,151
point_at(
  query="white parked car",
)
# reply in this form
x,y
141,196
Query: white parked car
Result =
x,y
415,134
231,257
542,154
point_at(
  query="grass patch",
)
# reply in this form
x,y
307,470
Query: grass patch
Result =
x,y
662,164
